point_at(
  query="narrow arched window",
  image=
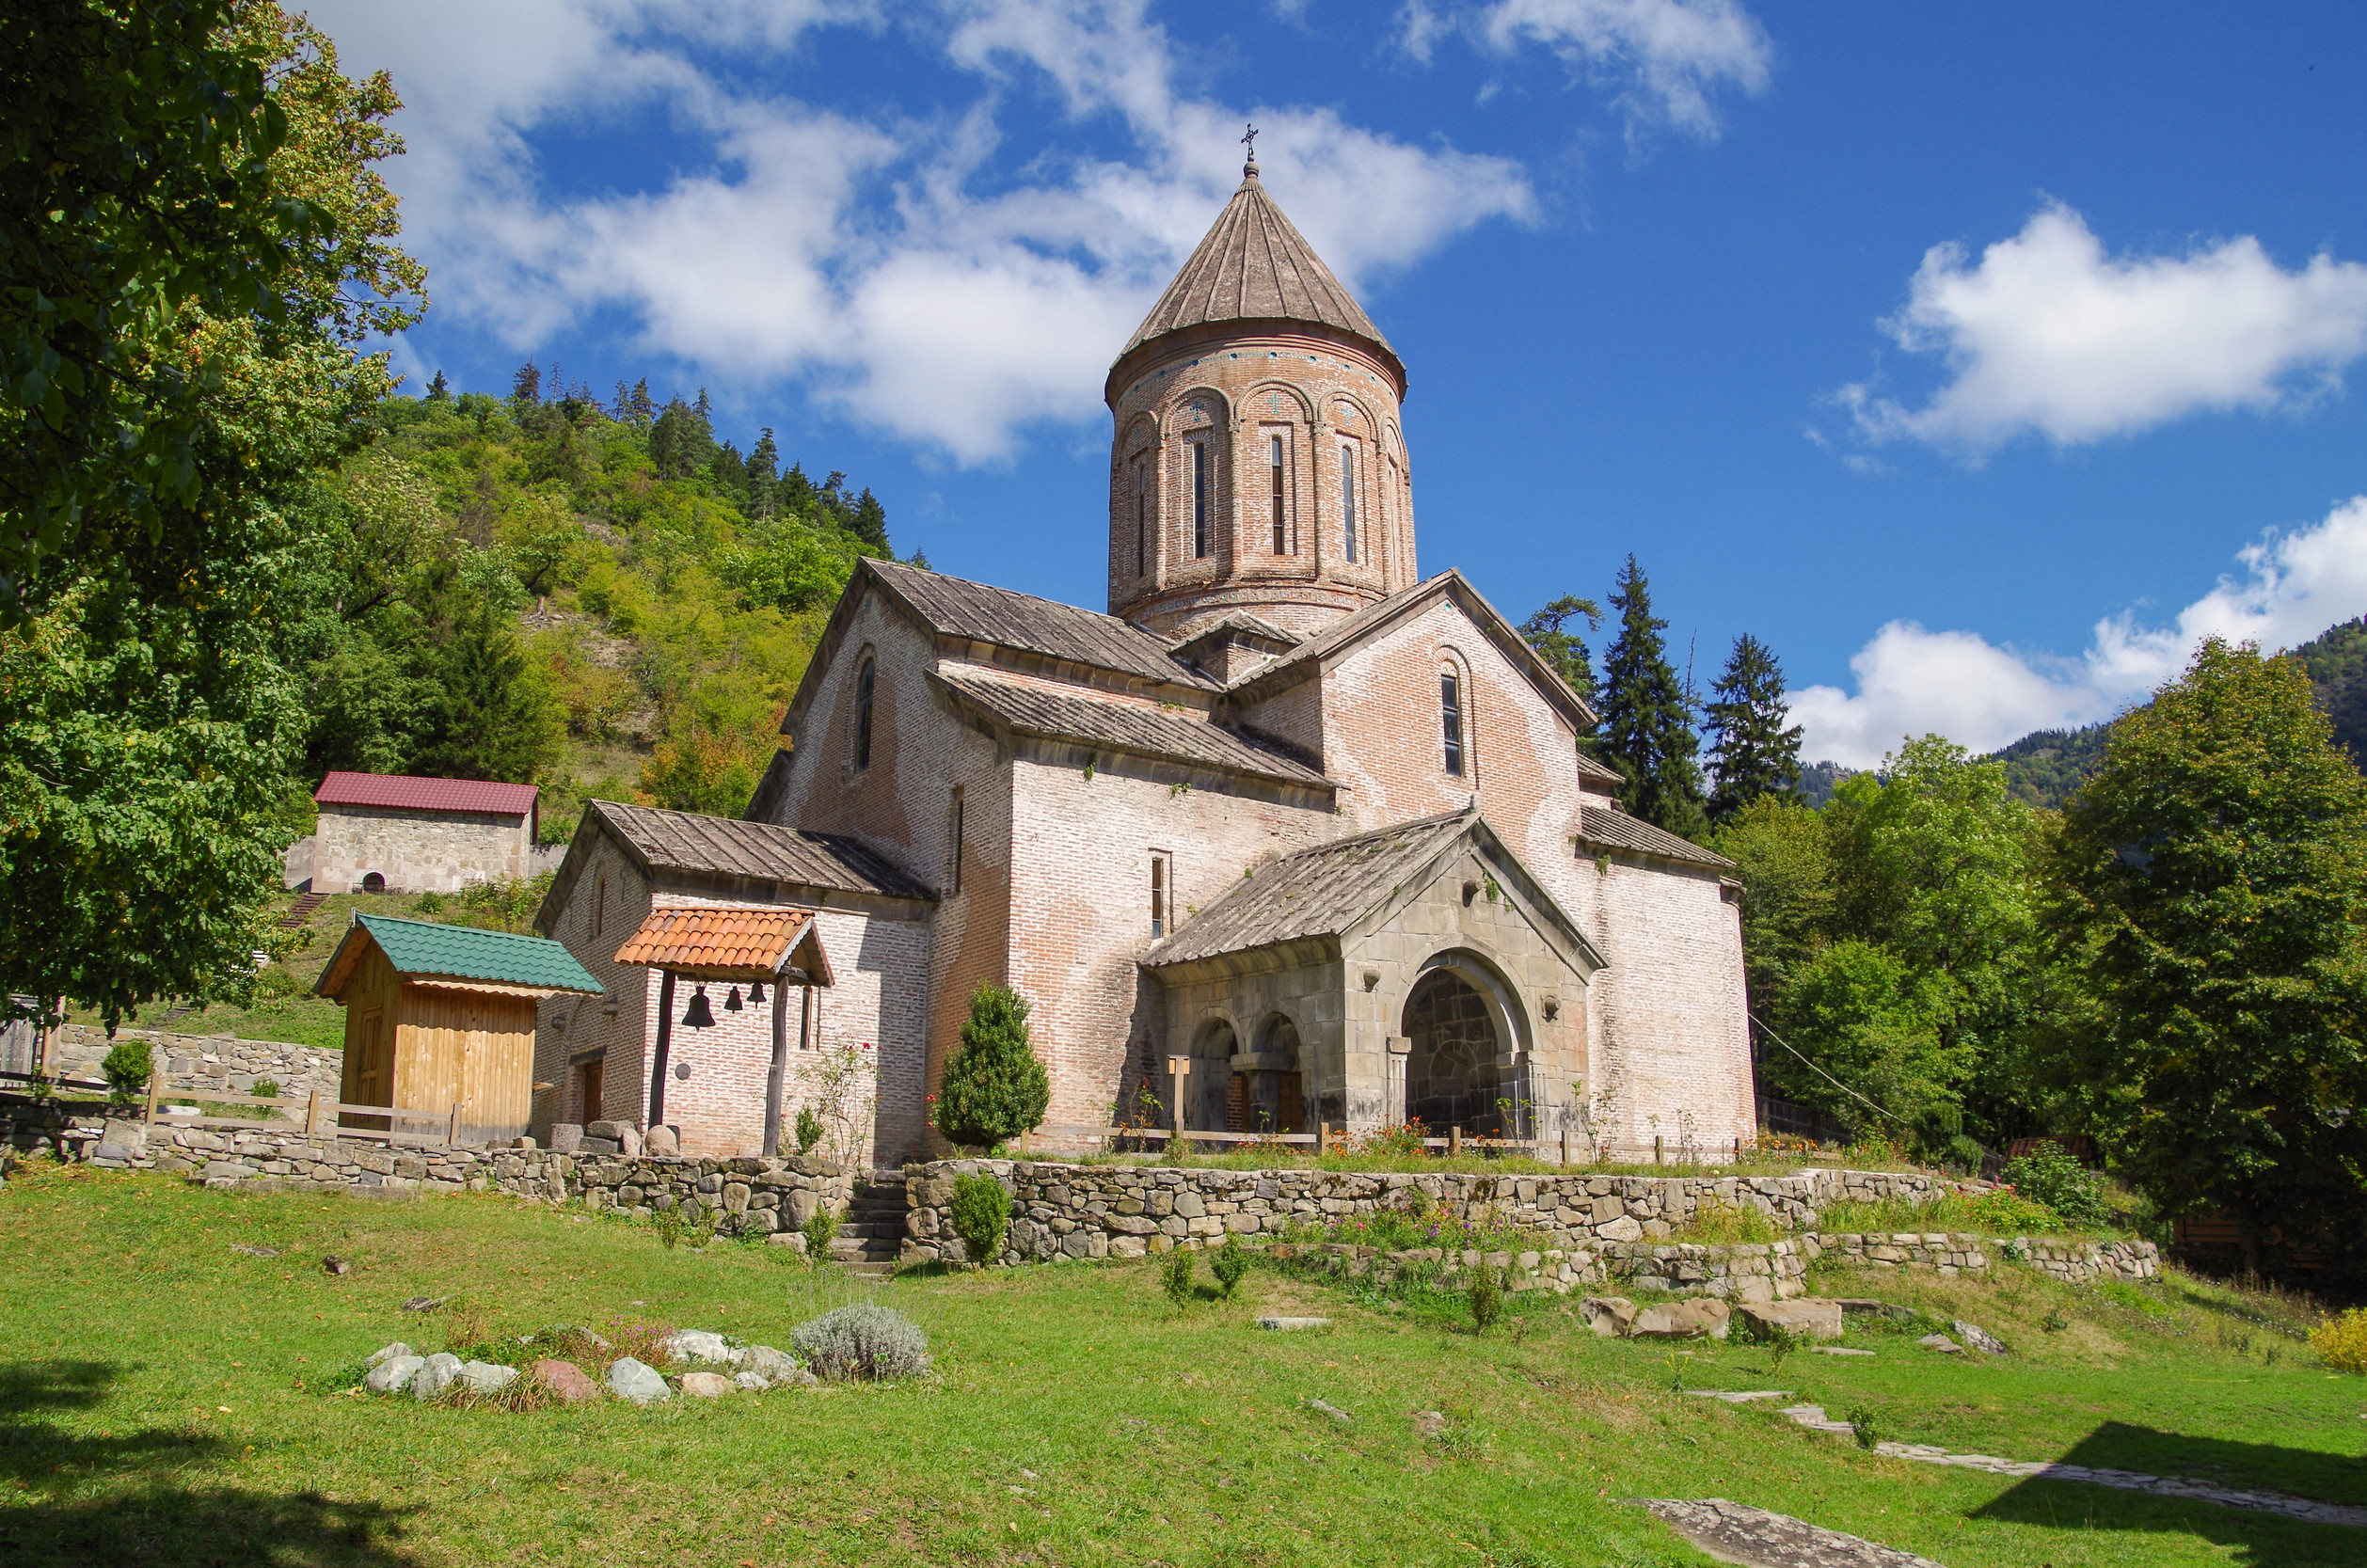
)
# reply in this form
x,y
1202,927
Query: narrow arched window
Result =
x,y
1199,500
1450,720
1347,500
1142,536
1282,522
865,679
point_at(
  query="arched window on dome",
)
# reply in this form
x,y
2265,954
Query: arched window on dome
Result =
x,y
1347,498
1451,718
1142,515
1280,485
1200,500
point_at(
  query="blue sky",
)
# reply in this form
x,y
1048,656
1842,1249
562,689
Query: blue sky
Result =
x,y
1977,358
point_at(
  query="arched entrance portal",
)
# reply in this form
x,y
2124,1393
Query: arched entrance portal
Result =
x,y
1451,1079
1207,1091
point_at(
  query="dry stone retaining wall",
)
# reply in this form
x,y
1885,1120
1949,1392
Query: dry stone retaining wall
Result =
x,y
196,1064
1064,1210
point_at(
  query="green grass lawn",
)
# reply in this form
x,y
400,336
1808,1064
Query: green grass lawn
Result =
x,y
170,1400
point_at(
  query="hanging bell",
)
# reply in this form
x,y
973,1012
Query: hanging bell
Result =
x,y
698,1015
755,993
731,1002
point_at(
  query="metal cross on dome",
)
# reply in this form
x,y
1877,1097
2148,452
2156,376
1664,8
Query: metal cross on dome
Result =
x,y
1251,141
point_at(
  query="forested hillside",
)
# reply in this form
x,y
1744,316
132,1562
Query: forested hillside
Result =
x,y
2337,662
599,597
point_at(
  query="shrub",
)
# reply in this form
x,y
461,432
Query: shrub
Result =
x,y
127,1067
277,983
430,903
2011,1212
864,1340
1867,1427
1727,1223
2342,1342
1780,1342
2050,1176
1487,1297
265,1088
993,1089
1175,1276
1231,1264
821,1228
981,1217
809,1129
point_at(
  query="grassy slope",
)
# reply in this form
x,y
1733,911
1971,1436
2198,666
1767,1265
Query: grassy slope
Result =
x,y
1154,1434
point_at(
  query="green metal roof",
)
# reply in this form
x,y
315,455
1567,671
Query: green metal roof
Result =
x,y
466,953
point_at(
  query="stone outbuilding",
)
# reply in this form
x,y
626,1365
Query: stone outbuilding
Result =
x,y
440,1018
390,832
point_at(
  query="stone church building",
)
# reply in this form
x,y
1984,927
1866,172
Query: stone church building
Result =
x,y
1288,808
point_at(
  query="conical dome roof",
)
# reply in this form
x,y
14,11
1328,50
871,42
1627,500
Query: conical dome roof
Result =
x,y
1255,265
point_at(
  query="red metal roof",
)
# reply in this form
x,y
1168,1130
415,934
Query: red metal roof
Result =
x,y
401,793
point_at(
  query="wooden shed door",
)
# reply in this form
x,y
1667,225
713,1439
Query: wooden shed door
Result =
x,y
367,1076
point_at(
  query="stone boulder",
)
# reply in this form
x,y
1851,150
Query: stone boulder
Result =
x,y
705,1386
1703,1317
485,1377
749,1382
565,1137
695,1345
436,1376
1623,1228
1611,1317
1941,1343
393,1374
660,1142
771,1367
1810,1317
1979,1337
569,1381
638,1382
388,1353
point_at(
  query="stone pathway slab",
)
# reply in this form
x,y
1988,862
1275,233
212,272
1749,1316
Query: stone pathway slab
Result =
x,y
1754,1537
1739,1397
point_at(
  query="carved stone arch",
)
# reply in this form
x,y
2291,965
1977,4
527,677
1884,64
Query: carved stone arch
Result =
x,y
1471,1044
1182,428
1258,402
1216,1040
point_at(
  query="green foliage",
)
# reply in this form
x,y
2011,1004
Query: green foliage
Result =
x,y
2045,766
1485,1297
1231,1264
981,1217
2048,1175
1175,1276
128,1065
265,1088
1548,632
994,1087
865,1342
1783,857
821,1228
2210,893
2337,662
1780,1342
1753,752
809,1129
2342,1342
1865,1427
1646,731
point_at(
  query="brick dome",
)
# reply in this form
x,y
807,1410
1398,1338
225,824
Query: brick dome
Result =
x,y
1257,464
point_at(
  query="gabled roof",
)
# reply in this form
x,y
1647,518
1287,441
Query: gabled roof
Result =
x,y
1326,889
718,942
687,841
1255,265
1090,720
403,792
1308,657
1616,829
1588,767
954,607
421,949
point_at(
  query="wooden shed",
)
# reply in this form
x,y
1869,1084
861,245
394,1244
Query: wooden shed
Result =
x,y
443,1015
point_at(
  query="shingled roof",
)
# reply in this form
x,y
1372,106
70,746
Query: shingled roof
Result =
x,y
1616,829
952,607
1255,265
749,851
407,792
719,942
1125,727
424,950
1317,892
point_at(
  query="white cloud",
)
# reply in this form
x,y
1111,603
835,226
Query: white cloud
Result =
x,y
1665,60
894,267
1913,681
2049,335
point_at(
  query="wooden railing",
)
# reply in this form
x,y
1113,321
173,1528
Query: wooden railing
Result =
x,y
1568,1148
320,1115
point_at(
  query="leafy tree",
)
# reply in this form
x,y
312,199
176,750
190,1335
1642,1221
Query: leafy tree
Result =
x,y
1548,632
1753,752
994,1087
1863,1016
1784,858
2210,892
227,253
1646,729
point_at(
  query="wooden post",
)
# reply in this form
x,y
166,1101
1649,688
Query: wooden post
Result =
x,y
312,1117
1455,1141
776,1075
658,1061
1566,1145
1323,1139
452,1130
1656,1149
156,1080
1179,1068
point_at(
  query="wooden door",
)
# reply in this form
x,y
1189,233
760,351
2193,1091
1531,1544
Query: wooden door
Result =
x,y
366,1077
593,1098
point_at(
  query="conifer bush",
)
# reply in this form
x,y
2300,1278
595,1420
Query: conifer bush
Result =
x,y
1231,1264
809,1129
127,1067
994,1088
1175,1276
981,1217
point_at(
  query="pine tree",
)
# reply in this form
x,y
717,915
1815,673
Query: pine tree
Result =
x,y
1646,726
439,390
993,1089
764,476
868,522
526,386
1548,632
1752,751
645,411
493,718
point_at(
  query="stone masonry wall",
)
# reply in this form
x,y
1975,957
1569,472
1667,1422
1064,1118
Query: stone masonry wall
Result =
x,y
418,851
195,1064
1064,1210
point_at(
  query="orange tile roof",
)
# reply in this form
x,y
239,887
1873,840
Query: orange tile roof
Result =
x,y
722,943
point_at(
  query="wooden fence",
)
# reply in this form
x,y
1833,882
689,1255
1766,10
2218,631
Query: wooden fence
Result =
x,y
319,1120
1568,1148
